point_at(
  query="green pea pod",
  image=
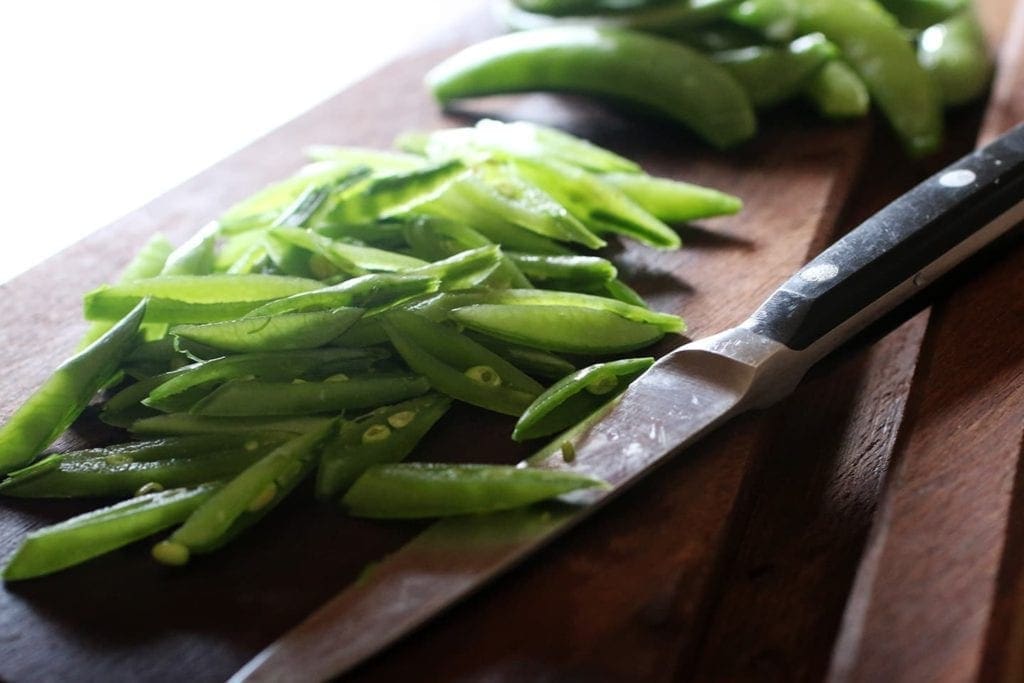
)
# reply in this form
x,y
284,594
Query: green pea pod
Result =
x,y
458,366
533,362
532,208
562,329
95,533
771,75
464,269
640,69
148,262
265,366
192,298
397,193
243,398
123,470
366,332
471,201
838,92
154,358
387,435
598,203
556,272
368,291
252,261
383,234
674,201
439,238
924,13
776,20
378,160
414,490
619,290
175,424
285,332
62,397
438,306
347,258
874,45
576,396
245,499
955,55
125,407
668,17
261,209
196,256
721,36
525,139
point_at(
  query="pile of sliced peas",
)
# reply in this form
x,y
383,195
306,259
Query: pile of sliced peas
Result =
x,y
320,328
712,64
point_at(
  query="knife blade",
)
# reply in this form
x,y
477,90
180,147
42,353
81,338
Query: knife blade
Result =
x,y
690,391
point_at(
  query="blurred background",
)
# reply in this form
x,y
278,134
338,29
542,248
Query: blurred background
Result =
x,y
108,104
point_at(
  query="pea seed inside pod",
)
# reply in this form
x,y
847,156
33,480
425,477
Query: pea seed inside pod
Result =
x,y
402,418
150,487
171,553
263,498
603,385
339,377
375,433
118,459
484,374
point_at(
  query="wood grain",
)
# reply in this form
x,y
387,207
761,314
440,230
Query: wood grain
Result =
x,y
734,563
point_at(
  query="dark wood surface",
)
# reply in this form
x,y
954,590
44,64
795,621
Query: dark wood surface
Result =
x,y
850,532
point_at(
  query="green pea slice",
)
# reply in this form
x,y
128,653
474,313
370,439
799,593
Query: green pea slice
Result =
x,y
285,332
240,398
576,396
84,537
415,490
562,329
386,435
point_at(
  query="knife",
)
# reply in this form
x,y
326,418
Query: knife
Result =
x,y
687,393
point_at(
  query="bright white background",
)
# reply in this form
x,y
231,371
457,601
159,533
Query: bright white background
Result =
x,y
106,104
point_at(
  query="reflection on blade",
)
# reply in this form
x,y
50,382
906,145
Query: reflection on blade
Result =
x,y
684,395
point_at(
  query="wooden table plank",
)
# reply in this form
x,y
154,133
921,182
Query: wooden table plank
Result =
x,y
928,602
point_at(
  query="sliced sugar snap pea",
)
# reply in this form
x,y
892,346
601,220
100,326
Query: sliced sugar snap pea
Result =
x,y
386,435
562,329
196,256
640,69
458,366
95,533
552,271
415,490
775,19
182,424
378,160
192,298
245,499
264,366
62,397
366,332
367,291
534,362
396,193
285,332
437,307
125,407
525,139
148,262
924,13
438,238
347,258
241,398
772,75
120,471
674,201
464,269
599,204
576,396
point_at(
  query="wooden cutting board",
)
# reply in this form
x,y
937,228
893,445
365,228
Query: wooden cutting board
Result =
x,y
817,538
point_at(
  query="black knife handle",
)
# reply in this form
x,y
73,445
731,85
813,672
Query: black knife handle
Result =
x,y
918,237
